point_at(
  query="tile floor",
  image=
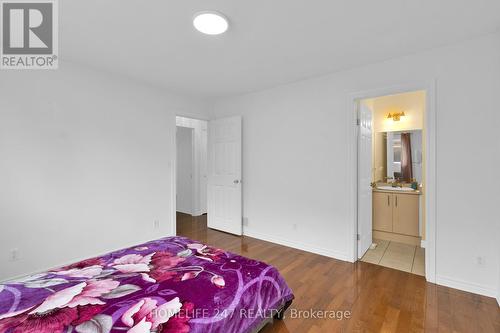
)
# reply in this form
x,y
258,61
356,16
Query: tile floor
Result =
x,y
403,257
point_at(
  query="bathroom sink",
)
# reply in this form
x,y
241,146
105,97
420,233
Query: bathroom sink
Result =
x,y
390,188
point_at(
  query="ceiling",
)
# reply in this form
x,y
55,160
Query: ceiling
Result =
x,y
269,42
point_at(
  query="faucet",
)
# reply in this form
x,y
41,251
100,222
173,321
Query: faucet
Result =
x,y
389,180
396,182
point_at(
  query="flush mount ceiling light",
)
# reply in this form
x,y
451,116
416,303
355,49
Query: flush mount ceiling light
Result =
x,y
210,23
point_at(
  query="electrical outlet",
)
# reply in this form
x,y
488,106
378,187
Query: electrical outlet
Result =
x,y
294,226
14,255
156,224
480,260
245,221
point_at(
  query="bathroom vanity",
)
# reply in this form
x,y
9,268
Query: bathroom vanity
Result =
x,y
396,215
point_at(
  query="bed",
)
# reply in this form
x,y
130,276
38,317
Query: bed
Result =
x,y
172,284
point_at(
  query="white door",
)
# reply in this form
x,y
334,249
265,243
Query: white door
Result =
x,y
224,175
364,179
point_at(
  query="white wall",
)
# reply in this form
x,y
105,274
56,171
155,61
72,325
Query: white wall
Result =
x,y
200,136
295,154
185,195
85,165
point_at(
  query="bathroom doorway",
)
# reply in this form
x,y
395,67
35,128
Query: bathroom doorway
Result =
x,y
391,180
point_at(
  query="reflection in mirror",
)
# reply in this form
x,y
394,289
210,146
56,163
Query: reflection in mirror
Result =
x,y
398,156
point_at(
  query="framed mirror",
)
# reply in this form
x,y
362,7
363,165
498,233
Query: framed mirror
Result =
x,y
398,156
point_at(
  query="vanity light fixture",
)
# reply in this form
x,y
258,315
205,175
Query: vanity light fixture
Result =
x,y
396,116
210,22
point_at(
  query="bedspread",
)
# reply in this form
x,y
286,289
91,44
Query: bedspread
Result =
x,y
172,284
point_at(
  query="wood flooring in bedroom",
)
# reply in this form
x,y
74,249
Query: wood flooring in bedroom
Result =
x,y
379,299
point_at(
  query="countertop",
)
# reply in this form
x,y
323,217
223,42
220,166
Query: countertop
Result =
x,y
414,192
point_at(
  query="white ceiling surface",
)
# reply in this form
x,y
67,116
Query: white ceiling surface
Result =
x,y
269,42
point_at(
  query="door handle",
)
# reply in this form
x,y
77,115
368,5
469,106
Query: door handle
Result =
x,y
236,181
396,200
388,200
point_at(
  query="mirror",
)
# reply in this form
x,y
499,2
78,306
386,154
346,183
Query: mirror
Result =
x,y
397,155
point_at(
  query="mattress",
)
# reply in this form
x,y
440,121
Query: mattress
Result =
x,y
172,284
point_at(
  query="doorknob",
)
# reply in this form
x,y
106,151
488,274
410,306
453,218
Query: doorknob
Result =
x,y
236,181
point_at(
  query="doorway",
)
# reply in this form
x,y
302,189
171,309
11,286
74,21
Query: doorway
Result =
x,y
191,166
208,172
392,150
185,170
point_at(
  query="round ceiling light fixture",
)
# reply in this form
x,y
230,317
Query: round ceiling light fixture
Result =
x,y
210,23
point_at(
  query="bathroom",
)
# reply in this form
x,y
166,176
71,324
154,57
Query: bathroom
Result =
x,y
397,180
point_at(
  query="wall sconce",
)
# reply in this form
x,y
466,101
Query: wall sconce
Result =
x,y
396,116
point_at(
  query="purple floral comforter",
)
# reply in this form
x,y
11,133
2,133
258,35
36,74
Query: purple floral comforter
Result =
x,y
168,285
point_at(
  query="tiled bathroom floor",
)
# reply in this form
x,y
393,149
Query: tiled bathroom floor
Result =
x,y
399,256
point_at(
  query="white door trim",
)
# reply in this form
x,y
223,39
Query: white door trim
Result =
x,y
173,177
430,165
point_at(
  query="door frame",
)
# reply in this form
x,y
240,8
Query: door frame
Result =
x,y
430,122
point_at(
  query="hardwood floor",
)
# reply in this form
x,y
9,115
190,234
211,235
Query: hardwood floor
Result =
x,y
379,299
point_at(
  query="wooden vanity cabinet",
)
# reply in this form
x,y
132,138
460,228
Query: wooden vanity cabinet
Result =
x,y
396,212
405,214
382,211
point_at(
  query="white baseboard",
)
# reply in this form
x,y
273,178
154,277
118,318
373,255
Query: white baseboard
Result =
x,y
298,245
198,213
441,280
465,286
193,213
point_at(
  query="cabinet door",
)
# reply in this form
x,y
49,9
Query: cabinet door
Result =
x,y
382,211
405,214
